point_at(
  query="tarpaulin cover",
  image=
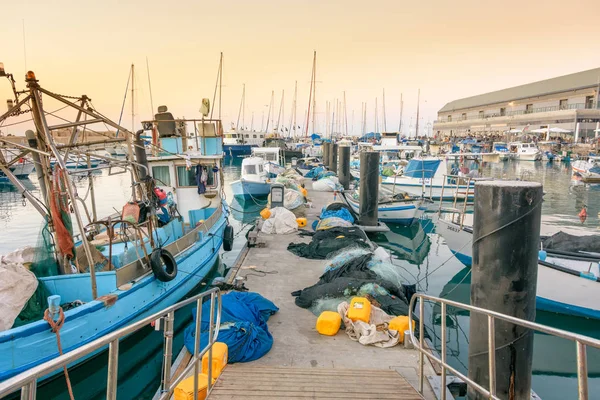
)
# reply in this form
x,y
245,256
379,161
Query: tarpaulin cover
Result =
x,y
565,242
244,329
332,222
329,241
421,168
313,173
342,213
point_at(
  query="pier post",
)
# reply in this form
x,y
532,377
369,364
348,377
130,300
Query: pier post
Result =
x,y
333,153
326,153
344,166
506,238
369,188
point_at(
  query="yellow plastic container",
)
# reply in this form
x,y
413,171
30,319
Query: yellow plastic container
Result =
x,y
400,324
304,192
266,213
359,310
329,323
185,389
219,359
301,222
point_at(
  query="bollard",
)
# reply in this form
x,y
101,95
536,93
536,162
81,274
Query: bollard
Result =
x,y
344,166
325,146
333,153
506,238
369,188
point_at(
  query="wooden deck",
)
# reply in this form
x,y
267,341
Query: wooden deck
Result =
x,y
247,381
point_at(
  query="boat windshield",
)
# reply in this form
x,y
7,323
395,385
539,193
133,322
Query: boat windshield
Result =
x,y
421,168
250,169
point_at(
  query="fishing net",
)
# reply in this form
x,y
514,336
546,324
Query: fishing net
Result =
x,y
44,263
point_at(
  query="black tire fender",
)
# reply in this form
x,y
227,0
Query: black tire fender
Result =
x,y
163,265
228,238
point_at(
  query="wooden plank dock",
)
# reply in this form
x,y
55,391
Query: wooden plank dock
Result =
x,y
251,382
302,363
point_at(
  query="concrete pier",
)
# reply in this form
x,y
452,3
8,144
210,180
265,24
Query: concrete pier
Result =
x,y
274,272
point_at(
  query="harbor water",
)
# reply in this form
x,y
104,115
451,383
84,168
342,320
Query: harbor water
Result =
x,y
419,253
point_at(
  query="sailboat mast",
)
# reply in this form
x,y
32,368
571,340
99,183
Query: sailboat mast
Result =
x,y
384,121
417,124
326,118
237,124
269,113
132,99
244,106
401,108
149,86
376,117
220,83
310,97
314,86
280,114
345,114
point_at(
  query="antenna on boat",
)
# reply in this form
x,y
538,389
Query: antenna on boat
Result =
x,y
237,125
132,98
218,86
269,113
314,97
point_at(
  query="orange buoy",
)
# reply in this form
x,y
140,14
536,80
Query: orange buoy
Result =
x,y
583,214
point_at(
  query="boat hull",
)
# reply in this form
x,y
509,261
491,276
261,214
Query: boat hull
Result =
x,y
33,344
249,190
400,213
20,170
557,291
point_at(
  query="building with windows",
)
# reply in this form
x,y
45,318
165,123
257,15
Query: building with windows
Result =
x,y
569,102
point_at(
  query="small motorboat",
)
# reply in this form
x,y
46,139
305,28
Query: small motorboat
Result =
x,y
254,181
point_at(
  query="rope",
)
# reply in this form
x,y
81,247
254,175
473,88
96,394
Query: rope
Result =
x,y
56,326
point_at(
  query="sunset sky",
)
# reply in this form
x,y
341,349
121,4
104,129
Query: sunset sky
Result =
x,y
448,49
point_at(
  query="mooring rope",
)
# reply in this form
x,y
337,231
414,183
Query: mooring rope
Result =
x,y
56,326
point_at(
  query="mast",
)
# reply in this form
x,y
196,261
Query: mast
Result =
x,y
220,83
417,124
252,122
294,110
280,114
237,124
376,117
384,121
132,99
401,108
345,114
314,96
269,113
326,118
150,87
311,101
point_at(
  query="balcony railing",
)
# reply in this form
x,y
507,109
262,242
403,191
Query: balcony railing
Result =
x,y
576,106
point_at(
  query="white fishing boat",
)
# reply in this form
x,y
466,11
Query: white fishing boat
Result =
x,y
502,150
273,162
20,167
116,150
428,177
254,181
525,151
566,284
399,208
589,168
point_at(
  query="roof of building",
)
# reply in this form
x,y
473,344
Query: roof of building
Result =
x,y
578,80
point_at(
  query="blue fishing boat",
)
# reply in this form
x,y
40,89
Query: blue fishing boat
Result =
x,y
132,263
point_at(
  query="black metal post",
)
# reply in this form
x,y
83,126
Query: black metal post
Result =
x,y
506,238
369,188
344,166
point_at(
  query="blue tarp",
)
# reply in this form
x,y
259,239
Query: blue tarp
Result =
x,y
342,213
500,147
421,168
469,141
244,327
314,172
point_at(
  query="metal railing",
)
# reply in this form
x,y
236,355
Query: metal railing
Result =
x,y
27,381
457,181
581,342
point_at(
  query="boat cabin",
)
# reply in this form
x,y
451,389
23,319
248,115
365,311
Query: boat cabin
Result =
x,y
268,154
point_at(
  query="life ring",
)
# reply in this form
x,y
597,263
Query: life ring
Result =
x,y
228,238
163,265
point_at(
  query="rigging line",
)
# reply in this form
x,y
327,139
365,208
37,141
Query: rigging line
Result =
x,y
150,87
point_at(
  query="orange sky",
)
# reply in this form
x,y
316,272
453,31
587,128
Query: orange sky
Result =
x,y
449,49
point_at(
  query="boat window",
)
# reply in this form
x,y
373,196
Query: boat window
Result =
x,y
162,175
254,136
247,135
250,169
187,178
260,168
